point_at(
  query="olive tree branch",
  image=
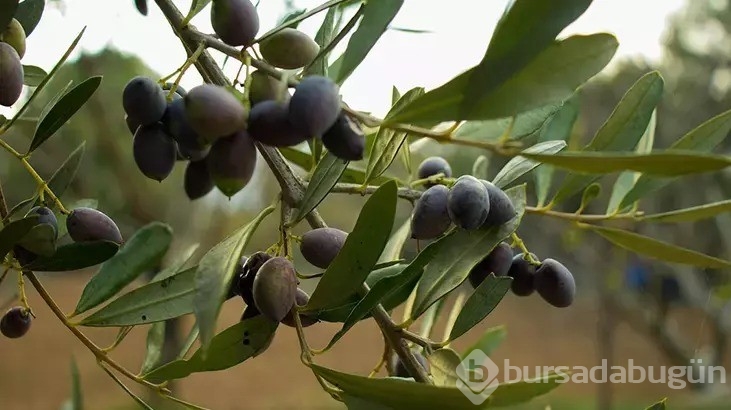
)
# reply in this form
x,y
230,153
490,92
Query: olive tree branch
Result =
x,y
291,185
506,148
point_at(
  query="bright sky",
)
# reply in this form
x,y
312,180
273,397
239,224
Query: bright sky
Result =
x,y
460,33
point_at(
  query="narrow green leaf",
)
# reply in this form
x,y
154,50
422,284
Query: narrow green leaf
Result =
x,y
406,395
340,313
388,142
489,341
519,166
226,349
384,288
703,138
13,232
661,405
461,252
142,252
296,20
410,30
525,125
560,70
20,207
691,214
154,302
63,110
177,265
326,175
627,180
155,342
41,240
360,252
291,16
64,175
52,102
75,256
7,11
214,274
33,75
443,365
323,37
656,249
29,13
195,7
558,127
659,163
377,15
482,301
526,28
623,129
47,79
189,341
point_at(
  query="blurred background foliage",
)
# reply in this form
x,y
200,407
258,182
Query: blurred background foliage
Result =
x,y
615,287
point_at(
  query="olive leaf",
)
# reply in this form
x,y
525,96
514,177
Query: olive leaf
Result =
x,y
226,349
360,252
142,252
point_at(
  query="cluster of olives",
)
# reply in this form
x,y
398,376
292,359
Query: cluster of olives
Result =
x,y
83,225
210,126
12,50
549,278
473,203
269,286
470,203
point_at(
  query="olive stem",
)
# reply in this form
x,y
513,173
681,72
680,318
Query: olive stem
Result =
x,y
186,65
439,178
28,167
21,291
183,402
526,253
419,340
306,354
95,350
292,187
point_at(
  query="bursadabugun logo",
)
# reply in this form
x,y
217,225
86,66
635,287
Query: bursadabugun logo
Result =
x,y
477,376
